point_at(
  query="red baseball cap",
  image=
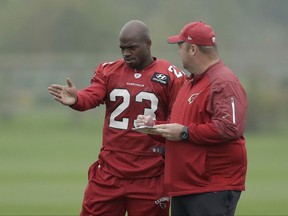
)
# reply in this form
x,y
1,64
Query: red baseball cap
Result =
x,y
197,33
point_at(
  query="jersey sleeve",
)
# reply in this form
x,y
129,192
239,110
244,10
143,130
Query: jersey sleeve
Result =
x,y
178,78
94,94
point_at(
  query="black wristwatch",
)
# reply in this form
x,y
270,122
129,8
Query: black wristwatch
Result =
x,y
184,134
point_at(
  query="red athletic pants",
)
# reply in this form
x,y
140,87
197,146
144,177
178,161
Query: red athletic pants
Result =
x,y
108,195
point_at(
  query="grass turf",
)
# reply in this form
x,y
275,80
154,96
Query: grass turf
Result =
x,y
44,162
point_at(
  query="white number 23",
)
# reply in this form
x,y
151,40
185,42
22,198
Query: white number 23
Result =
x,y
125,95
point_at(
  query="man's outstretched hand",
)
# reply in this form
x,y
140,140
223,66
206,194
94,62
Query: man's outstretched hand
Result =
x,y
66,95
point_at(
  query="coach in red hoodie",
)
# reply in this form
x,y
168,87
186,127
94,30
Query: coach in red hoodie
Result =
x,y
205,158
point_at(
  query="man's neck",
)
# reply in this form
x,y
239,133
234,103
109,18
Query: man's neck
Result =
x,y
146,64
207,64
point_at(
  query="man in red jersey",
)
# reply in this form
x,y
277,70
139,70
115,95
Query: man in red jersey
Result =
x,y
205,153
128,175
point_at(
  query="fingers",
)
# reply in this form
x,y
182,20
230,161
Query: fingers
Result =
x,y
140,120
161,126
59,99
166,134
69,83
140,117
55,87
64,94
59,88
139,124
165,131
56,95
55,90
143,120
161,129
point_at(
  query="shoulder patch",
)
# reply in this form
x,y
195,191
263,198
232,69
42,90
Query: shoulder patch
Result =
x,y
160,78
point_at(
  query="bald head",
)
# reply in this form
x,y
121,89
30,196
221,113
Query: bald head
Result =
x,y
135,29
135,44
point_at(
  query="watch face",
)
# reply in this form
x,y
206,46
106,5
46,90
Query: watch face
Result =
x,y
184,133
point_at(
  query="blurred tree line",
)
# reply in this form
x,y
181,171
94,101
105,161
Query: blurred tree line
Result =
x,y
43,41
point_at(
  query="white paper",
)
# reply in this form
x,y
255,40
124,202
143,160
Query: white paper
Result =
x,y
145,129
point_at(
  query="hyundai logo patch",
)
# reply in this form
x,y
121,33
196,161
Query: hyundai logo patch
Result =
x,y
160,78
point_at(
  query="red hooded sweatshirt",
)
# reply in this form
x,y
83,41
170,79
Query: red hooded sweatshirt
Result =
x,y
213,106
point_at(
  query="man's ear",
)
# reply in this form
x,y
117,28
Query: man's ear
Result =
x,y
193,49
149,43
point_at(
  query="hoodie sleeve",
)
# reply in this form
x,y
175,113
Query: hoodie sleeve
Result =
x,y
228,106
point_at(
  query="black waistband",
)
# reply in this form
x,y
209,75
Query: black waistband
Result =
x,y
160,150
157,150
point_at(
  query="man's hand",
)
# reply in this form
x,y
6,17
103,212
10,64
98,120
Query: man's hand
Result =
x,y
143,120
170,131
66,95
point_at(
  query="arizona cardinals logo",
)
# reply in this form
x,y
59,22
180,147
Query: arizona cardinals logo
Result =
x,y
162,202
137,75
192,97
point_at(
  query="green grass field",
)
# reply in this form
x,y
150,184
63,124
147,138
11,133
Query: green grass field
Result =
x,y
44,162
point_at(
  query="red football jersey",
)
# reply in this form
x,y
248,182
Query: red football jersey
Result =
x,y
128,93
